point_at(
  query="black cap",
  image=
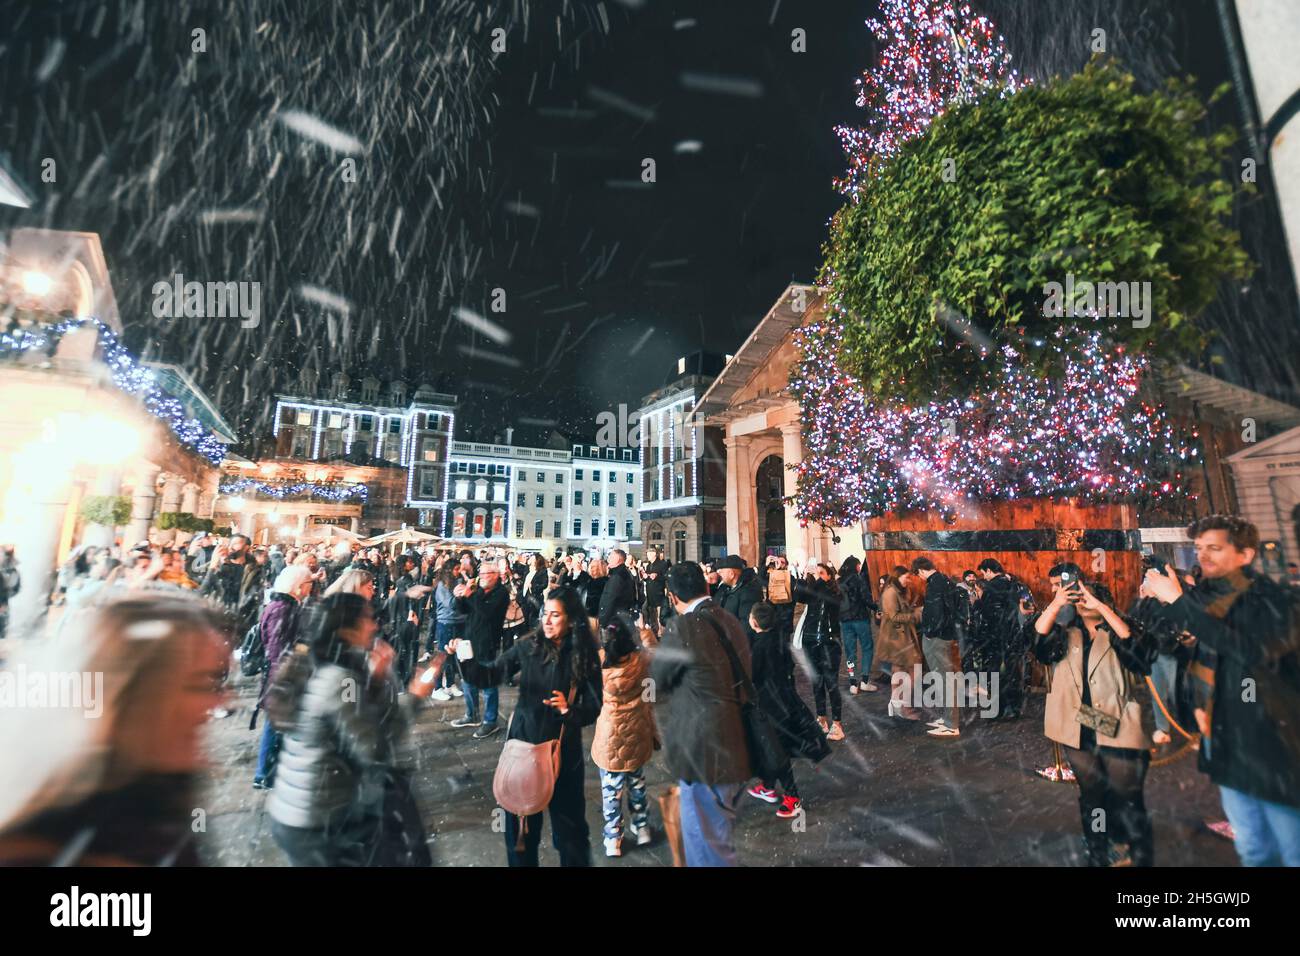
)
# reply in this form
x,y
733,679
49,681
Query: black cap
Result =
x,y
733,561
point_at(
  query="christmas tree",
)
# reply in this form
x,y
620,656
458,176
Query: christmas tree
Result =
x,y
935,55
1088,431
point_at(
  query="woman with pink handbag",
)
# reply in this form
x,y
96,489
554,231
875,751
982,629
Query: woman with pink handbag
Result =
x,y
542,762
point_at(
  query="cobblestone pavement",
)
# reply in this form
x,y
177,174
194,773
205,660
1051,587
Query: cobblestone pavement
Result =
x,y
888,796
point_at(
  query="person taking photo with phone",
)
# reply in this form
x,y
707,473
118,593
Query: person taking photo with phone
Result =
x,y
1098,659
559,694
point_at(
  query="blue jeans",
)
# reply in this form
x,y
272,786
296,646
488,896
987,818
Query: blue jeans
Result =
x,y
855,634
444,631
266,752
1164,674
491,695
1266,834
708,816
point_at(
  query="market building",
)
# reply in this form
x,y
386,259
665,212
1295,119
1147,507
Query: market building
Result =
x,y
683,466
95,446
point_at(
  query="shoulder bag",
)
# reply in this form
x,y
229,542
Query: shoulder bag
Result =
x,y
525,776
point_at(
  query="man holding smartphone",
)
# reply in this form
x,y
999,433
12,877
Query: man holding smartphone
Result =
x,y
484,603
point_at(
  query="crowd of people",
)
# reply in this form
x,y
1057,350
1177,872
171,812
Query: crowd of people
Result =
x,y
698,662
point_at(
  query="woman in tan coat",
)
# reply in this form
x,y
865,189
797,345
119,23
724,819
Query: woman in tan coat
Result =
x,y
625,736
899,643
1097,661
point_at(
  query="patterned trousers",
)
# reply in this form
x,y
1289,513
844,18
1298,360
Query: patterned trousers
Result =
x,y
612,786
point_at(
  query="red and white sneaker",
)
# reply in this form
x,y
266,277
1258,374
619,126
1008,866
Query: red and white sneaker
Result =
x,y
759,792
790,807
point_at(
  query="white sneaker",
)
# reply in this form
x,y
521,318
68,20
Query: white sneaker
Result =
x,y
643,836
936,723
613,847
423,658
870,687
944,732
440,694
457,692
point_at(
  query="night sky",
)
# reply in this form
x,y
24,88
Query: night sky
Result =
x,y
527,178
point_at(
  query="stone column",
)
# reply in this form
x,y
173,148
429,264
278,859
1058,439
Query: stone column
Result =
x,y
796,537
143,500
171,501
741,504
107,482
190,498
38,501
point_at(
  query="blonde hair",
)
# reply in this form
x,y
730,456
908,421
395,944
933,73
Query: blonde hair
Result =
x,y
139,645
350,581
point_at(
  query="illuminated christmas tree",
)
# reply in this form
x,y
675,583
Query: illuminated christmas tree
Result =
x,y
935,54
1088,431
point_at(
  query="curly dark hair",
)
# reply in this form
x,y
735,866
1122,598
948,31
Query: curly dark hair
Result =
x,y
580,636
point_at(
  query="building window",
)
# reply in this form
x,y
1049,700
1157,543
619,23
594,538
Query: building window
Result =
x,y
541,501
394,426
595,452
462,490
304,416
595,527
679,546
611,499
612,526
559,503
541,476
627,530
577,497
480,491
595,475
559,478
577,449
627,454
499,491
519,500
595,498
301,446
679,484
537,528
609,453
577,527
577,474
335,420
519,529
557,530
629,499
365,423
629,477
428,483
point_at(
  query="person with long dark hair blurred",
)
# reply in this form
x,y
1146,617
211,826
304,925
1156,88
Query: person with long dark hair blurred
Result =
x,y
559,694
339,798
821,641
111,779
899,644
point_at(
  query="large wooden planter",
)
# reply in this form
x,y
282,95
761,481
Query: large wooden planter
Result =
x,y
1028,537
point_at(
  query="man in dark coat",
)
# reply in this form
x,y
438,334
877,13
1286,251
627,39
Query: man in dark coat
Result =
x,y
939,641
739,591
620,591
402,617
999,645
655,571
484,602
697,704
1249,628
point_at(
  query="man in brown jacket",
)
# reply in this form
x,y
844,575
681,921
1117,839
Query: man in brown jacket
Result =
x,y
698,708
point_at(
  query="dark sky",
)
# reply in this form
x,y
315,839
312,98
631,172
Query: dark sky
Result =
x,y
527,178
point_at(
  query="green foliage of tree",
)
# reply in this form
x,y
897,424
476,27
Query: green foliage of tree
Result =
x,y
110,510
1083,175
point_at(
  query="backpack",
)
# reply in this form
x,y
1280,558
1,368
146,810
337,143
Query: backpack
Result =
x,y
252,653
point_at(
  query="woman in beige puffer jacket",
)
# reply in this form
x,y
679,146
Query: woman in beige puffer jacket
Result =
x,y
625,735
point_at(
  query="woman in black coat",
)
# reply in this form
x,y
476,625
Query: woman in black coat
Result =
x,y
560,688
821,641
773,668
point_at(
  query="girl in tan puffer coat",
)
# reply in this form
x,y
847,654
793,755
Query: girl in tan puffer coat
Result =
x,y
625,732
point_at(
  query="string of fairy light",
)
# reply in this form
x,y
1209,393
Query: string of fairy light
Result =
x,y
128,375
936,55
1089,432
281,490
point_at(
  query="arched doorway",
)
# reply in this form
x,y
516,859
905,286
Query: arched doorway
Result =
x,y
769,484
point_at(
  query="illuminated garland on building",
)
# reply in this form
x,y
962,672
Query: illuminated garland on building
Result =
x,y
935,54
1089,433
322,491
129,376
